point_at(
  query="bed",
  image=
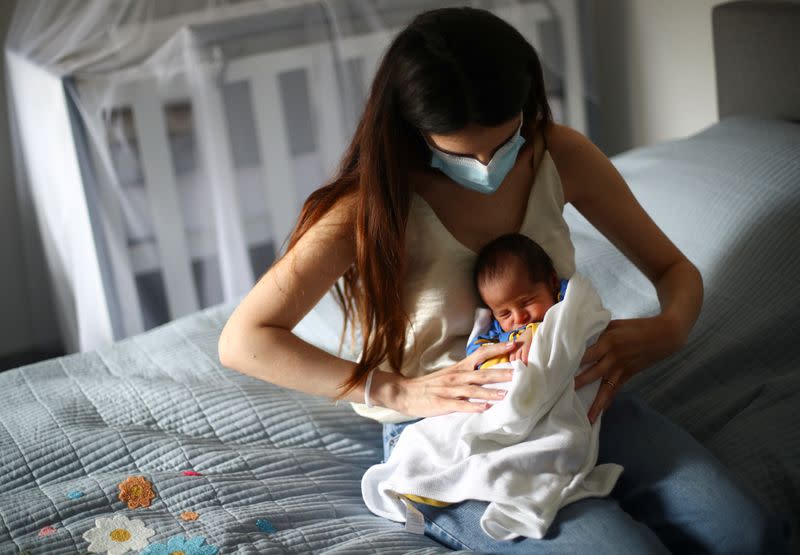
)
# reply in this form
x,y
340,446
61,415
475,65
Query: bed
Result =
x,y
153,438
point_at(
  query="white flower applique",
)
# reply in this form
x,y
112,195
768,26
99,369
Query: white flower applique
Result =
x,y
117,534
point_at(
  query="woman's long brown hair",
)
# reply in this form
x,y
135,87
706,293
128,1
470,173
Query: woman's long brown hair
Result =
x,y
434,78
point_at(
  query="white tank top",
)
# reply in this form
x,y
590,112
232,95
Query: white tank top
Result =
x,y
438,294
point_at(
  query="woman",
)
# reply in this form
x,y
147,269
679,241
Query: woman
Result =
x,y
456,146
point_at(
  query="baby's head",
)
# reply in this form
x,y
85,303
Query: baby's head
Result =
x,y
516,280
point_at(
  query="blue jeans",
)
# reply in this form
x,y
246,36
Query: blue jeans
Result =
x,y
673,496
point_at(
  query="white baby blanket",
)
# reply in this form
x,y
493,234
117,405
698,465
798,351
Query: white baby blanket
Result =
x,y
529,454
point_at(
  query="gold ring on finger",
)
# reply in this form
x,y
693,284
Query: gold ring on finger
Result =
x,y
609,382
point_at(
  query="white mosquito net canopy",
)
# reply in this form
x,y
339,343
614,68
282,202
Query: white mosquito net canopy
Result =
x,y
163,149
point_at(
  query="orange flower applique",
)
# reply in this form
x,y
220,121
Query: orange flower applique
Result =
x,y
136,491
189,515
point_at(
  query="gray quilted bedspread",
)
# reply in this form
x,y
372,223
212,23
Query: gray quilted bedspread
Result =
x,y
277,471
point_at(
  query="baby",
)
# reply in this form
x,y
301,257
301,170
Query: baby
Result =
x,y
516,280
535,439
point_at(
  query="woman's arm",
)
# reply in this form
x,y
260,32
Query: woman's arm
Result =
x,y
257,339
597,190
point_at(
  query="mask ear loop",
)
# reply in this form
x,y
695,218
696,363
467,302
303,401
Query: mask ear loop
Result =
x,y
424,138
509,143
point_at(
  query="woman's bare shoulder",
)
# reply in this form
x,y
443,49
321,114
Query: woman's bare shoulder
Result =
x,y
299,278
344,211
562,138
333,234
574,156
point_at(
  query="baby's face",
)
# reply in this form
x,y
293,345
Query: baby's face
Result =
x,y
515,300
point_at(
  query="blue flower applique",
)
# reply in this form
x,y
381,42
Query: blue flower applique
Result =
x,y
265,526
192,546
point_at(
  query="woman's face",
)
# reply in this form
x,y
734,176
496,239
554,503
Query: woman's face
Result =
x,y
476,141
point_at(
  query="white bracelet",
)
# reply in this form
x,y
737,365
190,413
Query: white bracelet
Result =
x,y
366,389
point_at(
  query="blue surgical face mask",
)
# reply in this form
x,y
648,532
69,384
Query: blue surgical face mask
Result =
x,y
471,173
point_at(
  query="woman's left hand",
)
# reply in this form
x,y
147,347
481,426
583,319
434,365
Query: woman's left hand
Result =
x,y
623,349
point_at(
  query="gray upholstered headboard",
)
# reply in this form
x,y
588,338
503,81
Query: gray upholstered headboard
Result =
x,y
757,56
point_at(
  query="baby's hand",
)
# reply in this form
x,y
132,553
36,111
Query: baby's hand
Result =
x,y
526,339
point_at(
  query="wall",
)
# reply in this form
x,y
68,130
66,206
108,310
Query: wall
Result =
x,y
654,75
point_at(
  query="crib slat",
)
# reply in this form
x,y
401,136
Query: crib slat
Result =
x,y
329,112
162,194
271,130
215,155
574,100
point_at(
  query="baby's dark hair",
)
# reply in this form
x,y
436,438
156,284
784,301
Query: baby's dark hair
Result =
x,y
494,257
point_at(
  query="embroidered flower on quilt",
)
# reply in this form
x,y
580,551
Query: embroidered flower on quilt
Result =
x,y
189,515
191,473
178,544
265,526
117,534
136,491
47,531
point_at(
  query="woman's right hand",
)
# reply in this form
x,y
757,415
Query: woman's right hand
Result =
x,y
449,390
